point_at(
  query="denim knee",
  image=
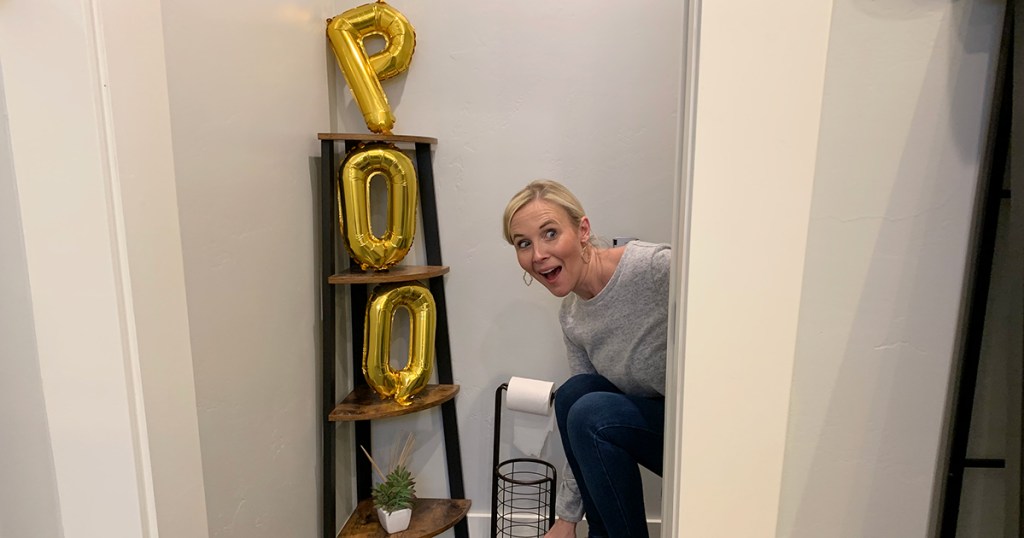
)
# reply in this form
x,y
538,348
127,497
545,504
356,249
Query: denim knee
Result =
x,y
590,413
578,386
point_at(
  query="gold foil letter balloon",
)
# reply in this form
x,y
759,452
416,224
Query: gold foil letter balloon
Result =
x,y
363,73
402,385
361,165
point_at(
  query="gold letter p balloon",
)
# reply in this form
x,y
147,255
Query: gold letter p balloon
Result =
x,y
363,72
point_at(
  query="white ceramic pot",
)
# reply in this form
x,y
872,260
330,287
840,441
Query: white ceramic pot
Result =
x,y
396,521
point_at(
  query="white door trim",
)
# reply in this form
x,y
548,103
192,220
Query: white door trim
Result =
x,y
680,263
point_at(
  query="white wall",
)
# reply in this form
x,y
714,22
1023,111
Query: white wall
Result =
x,y
28,486
905,111
138,124
760,74
247,89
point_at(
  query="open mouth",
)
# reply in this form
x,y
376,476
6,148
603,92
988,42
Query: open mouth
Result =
x,y
551,274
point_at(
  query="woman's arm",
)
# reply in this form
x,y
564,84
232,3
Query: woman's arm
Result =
x,y
562,529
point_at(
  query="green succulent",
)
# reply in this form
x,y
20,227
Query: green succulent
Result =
x,y
396,491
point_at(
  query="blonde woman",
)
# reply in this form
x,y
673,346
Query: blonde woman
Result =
x,y
614,318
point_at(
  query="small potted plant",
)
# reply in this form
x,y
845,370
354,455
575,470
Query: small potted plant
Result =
x,y
394,495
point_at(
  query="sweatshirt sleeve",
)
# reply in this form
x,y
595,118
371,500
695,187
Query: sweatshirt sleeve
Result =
x,y
579,362
660,273
661,267
577,358
568,501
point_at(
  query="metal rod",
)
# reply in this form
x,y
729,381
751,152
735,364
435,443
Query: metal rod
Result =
x,y
494,459
985,463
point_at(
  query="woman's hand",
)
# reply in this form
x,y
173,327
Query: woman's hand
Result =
x,y
562,529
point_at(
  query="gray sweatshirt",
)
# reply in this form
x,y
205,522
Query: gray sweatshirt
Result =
x,y
621,334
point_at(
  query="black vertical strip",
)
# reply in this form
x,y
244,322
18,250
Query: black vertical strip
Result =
x,y
432,243
357,306
364,476
327,335
552,497
428,203
979,278
494,459
441,344
1016,254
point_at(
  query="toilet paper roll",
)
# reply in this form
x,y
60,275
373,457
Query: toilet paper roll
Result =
x,y
529,395
533,397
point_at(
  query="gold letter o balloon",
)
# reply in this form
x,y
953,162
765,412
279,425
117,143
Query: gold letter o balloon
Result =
x,y
402,385
369,250
363,73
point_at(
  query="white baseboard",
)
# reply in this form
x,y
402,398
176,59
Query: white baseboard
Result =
x,y
480,526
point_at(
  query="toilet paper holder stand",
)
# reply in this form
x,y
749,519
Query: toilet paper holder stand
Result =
x,y
522,489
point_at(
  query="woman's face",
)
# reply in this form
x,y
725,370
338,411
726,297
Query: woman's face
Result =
x,y
549,246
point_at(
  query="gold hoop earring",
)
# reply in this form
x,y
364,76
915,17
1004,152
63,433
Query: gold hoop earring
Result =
x,y
586,249
527,278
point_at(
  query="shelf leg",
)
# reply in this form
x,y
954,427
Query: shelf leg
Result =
x,y
328,332
432,240
364,476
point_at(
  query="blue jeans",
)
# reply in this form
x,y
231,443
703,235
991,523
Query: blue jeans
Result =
x,y
606,434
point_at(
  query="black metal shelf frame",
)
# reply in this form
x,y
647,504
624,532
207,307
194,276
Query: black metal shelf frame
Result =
x,y
329,237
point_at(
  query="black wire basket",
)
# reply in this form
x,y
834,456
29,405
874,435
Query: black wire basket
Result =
x,y
522,490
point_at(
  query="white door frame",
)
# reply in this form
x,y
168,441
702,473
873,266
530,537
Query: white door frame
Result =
x,y
86,94
750,113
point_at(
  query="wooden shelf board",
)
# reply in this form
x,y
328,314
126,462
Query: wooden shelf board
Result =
x,y
400,273
430,517
364,404
368,137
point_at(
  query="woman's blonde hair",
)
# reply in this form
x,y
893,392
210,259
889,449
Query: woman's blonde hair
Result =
x,y
549,191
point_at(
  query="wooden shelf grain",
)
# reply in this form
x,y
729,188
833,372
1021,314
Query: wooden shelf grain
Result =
x,y
364,404
373,137
400,273
430,517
